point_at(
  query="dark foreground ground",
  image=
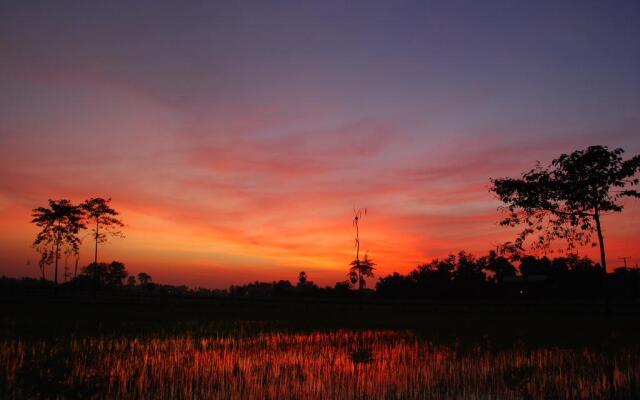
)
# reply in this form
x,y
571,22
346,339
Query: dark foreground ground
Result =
x,y
558,321
193,348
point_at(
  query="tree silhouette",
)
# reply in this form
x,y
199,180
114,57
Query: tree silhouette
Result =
x,y
567,199
116,274
144,279
104,220
357,216
360,269
108,275
497,264
434,279
395,286
60,224
47,254
302,279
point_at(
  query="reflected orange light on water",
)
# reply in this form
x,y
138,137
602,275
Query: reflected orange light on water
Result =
x,y
333,364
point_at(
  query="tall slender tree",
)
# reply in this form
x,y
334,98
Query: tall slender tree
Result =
x,y
567,199
357,216
59,224
103,220
47,253
360,269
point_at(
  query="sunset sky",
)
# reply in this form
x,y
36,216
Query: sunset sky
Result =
x,y
236,137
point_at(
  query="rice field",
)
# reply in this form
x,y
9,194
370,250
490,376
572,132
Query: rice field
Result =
x,y
333,364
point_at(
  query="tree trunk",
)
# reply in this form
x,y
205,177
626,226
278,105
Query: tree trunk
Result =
x,y
357,242
66,265
603,259
55,279
95,260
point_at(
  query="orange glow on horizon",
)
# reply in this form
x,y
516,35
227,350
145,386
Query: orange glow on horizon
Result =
x,y
182,249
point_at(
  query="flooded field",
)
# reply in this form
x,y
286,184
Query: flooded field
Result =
x,y
328,364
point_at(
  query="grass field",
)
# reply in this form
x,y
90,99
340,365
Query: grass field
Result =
x,y
194,348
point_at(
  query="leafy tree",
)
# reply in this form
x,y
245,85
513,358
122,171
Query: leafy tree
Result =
x,y
567,199
497,264
116,274
531,265
395,286
104,220
59,224
342,288
282,288
131,281
360,270
110,275
304,285
97,271
302,279
468,269
144,278
468,279
434,279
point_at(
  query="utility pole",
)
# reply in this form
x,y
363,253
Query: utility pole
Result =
x,y
625,260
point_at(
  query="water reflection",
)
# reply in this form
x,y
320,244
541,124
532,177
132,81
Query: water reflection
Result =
x,y
336,365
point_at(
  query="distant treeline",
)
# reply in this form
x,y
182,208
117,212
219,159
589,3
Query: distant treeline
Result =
x,y
106,278
564,200
456,277
465,277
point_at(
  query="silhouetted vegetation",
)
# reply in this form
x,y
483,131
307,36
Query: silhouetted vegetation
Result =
x,y
360,270
61,223
567,199
59,226
110,279
103,219
464,276
454,278
564,200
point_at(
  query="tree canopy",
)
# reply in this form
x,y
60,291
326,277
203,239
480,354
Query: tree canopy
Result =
x,y
59,226
103,219
566,199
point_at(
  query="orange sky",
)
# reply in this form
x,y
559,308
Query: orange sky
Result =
x,y
236,139
190,233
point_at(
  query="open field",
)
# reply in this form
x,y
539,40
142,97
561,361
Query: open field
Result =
x,y
196,348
